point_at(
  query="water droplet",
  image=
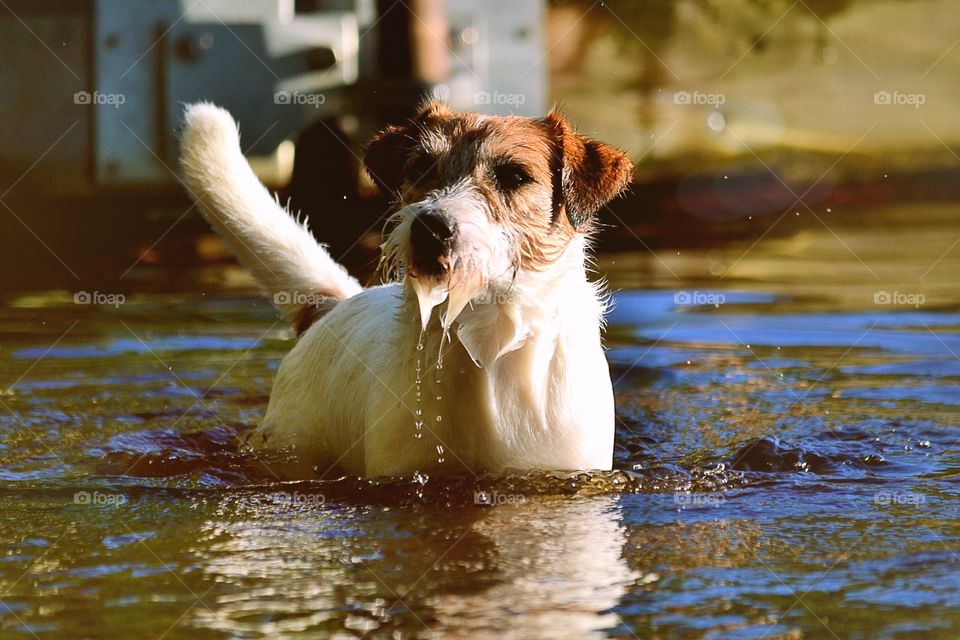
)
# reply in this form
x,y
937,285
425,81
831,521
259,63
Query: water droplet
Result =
x,y
418,383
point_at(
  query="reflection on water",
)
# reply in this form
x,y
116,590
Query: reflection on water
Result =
x,y
787,466
542,565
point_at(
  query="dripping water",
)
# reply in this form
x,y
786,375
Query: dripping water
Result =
x,y
438,379
418,389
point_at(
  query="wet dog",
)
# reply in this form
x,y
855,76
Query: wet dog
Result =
x,y
486,355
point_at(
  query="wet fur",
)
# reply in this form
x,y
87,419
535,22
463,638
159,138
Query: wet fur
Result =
x,y
524,382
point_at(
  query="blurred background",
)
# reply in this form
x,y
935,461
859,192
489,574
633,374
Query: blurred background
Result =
x,y
736,113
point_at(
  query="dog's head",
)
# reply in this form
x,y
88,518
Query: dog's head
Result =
x,y
482,198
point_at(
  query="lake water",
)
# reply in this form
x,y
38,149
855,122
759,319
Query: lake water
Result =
x,y
788,465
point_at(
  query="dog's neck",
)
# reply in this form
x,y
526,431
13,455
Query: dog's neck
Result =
x,y
537,305
546,378
541,391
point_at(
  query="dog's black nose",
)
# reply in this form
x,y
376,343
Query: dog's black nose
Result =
x,y
431,238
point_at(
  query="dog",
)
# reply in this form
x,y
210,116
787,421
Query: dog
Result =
x,y
485,353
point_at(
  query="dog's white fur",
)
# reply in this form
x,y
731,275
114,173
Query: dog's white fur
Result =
x,y
524,383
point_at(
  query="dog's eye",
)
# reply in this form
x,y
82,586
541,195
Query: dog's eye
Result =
x,y
422,170
511,176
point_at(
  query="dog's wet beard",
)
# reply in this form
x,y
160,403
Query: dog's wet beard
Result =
x,y
457,288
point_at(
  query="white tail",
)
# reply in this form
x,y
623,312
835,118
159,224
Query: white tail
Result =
x,y
282,254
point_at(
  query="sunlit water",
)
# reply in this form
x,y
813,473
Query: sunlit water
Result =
x,y
787,466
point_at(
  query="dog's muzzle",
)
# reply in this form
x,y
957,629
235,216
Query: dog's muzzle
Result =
x,y
436,269
431,243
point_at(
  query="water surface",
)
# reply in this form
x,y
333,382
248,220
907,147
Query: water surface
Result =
x,y
787,466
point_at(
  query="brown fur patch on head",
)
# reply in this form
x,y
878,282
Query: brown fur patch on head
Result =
x,y
388,151
540,180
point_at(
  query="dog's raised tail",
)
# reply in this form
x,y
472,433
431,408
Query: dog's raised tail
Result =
x,y
294,271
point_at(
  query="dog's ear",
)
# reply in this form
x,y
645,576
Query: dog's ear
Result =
x,y
388,150
586,174
385,155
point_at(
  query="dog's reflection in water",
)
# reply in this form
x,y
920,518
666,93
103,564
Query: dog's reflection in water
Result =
x,y
559,570
531,568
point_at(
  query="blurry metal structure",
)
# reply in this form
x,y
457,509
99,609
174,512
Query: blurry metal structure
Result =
x,y
499,56
121,70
